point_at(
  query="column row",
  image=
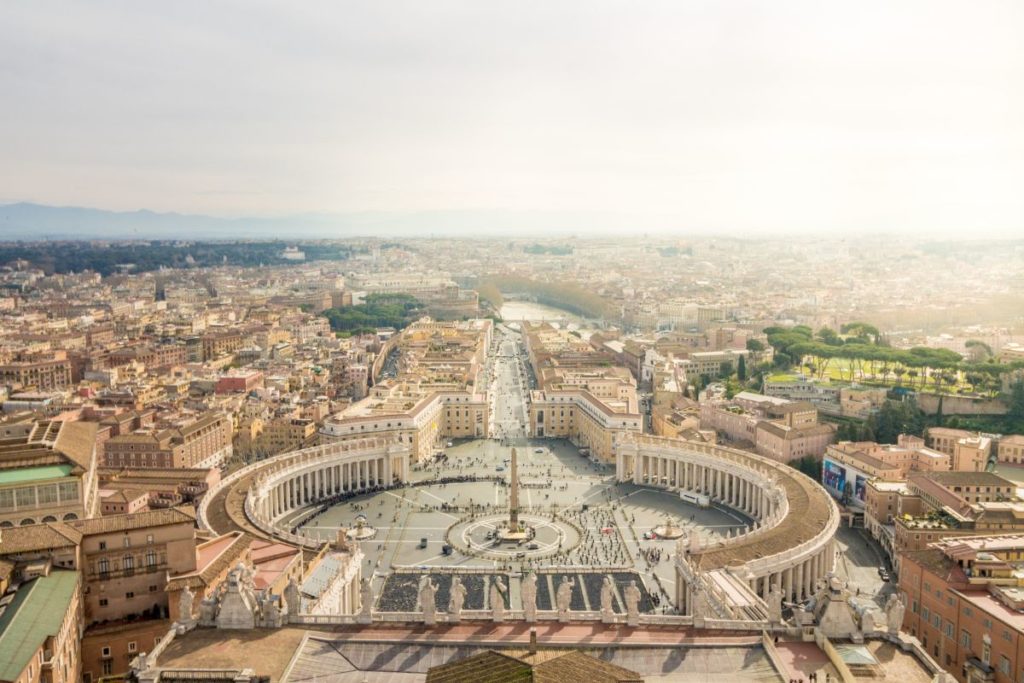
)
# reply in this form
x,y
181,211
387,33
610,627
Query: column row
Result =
x,y
309,487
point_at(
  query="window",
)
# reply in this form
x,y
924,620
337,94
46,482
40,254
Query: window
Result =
x,y
926,614
103,545
1004,665
149,539
108,667
153,589
131,646
129,565
105,652
965,639
129,595
127,541
937,621
104,569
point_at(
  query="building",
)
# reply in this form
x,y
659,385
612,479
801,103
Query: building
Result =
x,y
195,442
965,597
848,465
774,427
568,666
287,433
40,372
126,560
970,450
40,626
47,472
589,422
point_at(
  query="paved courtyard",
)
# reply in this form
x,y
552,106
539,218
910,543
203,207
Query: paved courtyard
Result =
x,y
605,521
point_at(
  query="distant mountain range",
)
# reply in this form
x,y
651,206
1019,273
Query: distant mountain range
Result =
x,y
26,221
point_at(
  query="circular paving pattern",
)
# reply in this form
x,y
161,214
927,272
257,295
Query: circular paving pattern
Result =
x,y
480,537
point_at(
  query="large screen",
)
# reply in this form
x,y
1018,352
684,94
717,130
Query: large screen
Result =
x,y
833,476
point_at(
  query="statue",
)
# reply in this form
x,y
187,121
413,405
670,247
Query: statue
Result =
x,y
563,598
292,597
208,611
774,604
457,600
428,589
632,597
365,601
185,606
528,593
894,609
607,595
498,599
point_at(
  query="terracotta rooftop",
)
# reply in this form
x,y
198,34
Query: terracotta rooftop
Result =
x,y
138,520
36,537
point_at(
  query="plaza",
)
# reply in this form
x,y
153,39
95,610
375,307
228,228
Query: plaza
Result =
x,y
583,518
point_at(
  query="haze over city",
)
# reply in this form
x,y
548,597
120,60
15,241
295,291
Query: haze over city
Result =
x,y
341,119
566,342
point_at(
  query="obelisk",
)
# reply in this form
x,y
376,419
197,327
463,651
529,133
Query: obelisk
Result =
x,y
513,496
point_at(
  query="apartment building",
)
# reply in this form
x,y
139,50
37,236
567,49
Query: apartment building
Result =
x,y
40,372
964,601
193,442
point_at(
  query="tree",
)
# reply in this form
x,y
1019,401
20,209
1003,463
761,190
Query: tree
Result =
x,y
741,369
755,345
1016,406
828,336
978,350
895,418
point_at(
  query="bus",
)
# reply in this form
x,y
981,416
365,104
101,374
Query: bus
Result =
x,y
698,499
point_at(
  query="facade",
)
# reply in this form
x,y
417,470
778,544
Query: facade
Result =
x,y
126,560
47,472
582,418
204,441
964,602
848,466
774,427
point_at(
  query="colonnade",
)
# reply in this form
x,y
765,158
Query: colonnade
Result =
x,y
315,481
755,486
740,489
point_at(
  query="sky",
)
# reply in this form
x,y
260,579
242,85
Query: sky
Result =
x,y
739,116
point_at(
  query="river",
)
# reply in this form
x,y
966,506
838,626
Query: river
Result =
x,y
527,310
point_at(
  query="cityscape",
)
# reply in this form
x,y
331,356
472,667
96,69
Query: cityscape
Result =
x,y
548,405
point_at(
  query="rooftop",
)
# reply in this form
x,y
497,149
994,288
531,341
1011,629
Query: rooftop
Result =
x,y
35,614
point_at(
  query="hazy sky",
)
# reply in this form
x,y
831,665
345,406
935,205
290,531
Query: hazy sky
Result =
x,y
880,115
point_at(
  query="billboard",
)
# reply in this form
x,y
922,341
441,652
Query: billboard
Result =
x,y
833,476
860,487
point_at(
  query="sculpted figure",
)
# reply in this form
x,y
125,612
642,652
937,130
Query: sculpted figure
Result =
x,y
457,600
528,592
366,597
208,611
563,598
632,598
497,596
894,610
607,595
185,605
775,604
428,591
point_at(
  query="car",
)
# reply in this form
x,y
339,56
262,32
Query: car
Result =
x,y
499,468
884,576
423,543
532,546
881,570
449,444
538,450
